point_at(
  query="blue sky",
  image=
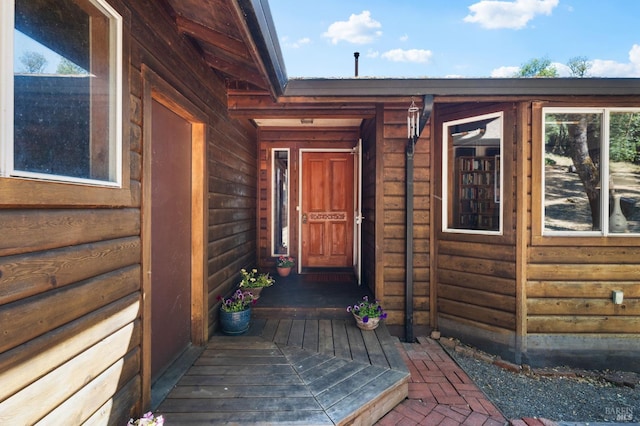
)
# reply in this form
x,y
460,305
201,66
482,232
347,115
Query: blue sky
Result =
x,y
455,38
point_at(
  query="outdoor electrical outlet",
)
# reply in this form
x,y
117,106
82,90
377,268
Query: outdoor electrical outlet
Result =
x,y
617,296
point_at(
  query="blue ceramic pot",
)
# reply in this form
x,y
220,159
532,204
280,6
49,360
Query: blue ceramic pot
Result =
x,y
234,323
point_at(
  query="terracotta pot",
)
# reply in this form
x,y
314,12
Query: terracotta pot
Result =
x,y
284,271
255,291
235,323
371,324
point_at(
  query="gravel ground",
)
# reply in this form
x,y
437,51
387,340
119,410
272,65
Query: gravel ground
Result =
x,y
585,398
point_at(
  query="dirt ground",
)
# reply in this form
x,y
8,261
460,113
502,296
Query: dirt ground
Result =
x,y
566,205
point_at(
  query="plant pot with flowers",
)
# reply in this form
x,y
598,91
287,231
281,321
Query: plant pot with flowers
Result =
x,y
235,312
148,419
254,282
284,265
367,314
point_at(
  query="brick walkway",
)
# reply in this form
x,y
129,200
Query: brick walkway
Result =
x,y
440,393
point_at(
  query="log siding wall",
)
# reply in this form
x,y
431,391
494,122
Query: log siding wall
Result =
x,y
476,274
532,298
569,280
70,273
369,189
393,179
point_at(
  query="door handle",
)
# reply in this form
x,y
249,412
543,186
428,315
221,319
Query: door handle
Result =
x,y
304,218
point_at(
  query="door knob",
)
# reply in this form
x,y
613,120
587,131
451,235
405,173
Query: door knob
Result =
x,y
304,218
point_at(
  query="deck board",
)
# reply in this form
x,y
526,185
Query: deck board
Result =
x,y
294,372
311,334
340,340
282,331
325,337
356,344
296,334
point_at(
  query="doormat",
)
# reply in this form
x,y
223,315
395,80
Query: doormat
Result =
x,y
329,277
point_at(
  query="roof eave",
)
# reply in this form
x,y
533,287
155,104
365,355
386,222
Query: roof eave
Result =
x,y
259,21
462,87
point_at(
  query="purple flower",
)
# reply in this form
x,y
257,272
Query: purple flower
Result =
x,y
365,319
349,308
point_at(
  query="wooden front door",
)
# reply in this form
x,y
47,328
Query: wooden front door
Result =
x,y
327,209
171,237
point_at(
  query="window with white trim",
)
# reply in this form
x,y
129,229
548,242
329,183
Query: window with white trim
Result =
x,y
472,181
280,203
61,91
589,152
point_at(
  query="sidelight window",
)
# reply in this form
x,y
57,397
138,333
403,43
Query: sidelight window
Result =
x,y
280,203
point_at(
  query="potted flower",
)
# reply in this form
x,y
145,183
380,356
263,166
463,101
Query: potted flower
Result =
x,y
235,312
255,282
148,419
284,265
367,314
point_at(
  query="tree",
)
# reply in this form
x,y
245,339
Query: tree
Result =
x,y
585,165
579,66
33,62
537,67
66,67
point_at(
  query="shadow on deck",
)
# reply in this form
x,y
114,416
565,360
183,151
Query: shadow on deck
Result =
x,y
300,363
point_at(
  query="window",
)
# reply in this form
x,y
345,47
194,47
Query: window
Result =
x,y
62,113
472,182
280,203
587,153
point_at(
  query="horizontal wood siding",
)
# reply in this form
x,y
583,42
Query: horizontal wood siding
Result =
x,y
476,282
569,289
570,280
70,273
393,215
476,274
369,187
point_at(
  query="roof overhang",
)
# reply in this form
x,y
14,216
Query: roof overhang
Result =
x,y
376,87
236,38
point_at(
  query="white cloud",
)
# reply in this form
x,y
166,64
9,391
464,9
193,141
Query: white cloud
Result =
x,y
295,44
411,55
563,70
404,37
359,29
504,72
301,42
494,14
372,53
608,68
599,67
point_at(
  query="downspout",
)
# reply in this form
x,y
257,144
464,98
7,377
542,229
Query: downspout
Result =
x,y
410,151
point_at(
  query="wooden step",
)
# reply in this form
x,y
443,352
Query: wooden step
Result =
x,y
295,372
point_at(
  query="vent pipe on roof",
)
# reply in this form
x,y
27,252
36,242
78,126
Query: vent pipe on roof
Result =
x,y
356,55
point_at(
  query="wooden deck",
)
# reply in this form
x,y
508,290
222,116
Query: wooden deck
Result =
x,y
294,372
